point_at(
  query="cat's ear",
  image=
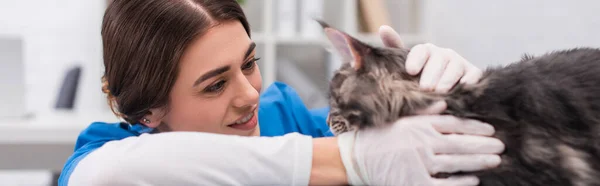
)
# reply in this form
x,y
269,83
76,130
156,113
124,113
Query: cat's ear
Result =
x,y
350,49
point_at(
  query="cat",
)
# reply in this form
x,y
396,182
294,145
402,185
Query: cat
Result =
x,y
545,109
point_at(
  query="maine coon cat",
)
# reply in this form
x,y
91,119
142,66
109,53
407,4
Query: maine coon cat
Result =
x,y
545,109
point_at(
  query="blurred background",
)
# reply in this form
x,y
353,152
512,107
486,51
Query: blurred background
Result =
x,y
51,56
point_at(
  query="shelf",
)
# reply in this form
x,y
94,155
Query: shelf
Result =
x,y
50,128
407,39
300,41
273,43
342,14
26,177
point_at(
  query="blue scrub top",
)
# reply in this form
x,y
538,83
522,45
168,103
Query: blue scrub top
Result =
x,y
280,111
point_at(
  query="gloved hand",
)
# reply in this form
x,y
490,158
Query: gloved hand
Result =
x,y
412,149
441,68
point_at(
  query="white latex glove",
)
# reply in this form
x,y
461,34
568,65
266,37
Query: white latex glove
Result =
x,y
440,68
412,149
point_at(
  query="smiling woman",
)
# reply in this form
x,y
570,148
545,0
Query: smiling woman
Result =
x,y
193,73
218,84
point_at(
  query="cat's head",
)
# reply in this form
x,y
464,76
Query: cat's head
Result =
x,y
372,86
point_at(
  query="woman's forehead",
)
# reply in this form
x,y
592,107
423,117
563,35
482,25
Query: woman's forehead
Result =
x,y
224,44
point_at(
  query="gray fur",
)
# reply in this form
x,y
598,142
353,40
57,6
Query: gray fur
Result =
x,y
545,109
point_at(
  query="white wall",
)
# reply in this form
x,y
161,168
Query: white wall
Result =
x,y
60,32
498,32
57,33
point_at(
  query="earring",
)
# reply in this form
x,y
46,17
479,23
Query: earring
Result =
x,y
145,120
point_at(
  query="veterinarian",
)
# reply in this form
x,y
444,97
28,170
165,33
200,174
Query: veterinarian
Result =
x,y
183,75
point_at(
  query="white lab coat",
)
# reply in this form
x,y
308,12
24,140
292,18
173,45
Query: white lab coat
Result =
x,y
191,158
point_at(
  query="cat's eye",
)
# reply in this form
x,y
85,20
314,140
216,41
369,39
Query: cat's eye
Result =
x,y
353,118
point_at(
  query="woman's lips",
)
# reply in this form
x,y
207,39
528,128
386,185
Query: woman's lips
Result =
x,y
248,122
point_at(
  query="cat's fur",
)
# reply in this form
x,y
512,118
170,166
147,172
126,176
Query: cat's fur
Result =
x,y
546,109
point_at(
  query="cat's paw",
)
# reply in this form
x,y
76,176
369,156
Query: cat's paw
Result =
x,y
337,124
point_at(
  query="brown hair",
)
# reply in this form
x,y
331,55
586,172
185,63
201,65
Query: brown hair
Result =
x,y
143,41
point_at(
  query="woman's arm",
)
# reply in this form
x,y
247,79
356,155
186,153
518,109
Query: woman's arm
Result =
x,y
404,152
327,167
190,158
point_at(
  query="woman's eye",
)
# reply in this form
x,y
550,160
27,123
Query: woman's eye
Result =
x,y
250,64
215,87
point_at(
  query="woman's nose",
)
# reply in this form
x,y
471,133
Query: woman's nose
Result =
x,y
246,94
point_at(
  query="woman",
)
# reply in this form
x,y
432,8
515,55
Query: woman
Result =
x,y
183,75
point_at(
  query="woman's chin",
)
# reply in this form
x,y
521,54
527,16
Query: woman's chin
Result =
x,y
251,132
256,131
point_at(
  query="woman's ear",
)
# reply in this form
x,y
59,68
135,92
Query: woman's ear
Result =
x,y
153,119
